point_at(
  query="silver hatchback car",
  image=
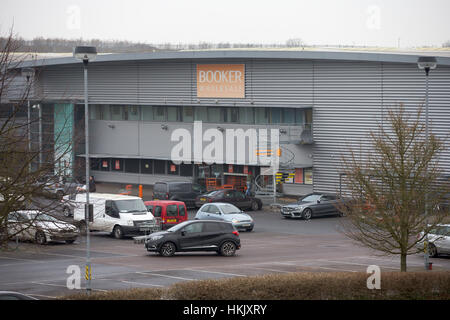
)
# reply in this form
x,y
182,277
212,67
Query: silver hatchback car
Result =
x,y
226,212
439,240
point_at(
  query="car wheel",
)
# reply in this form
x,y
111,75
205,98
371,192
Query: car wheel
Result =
x,y
341,214
167,249
307,214
70,241
59,194
255,206
432,251
40,238
82,227
118,232
66,212
228,249
249,229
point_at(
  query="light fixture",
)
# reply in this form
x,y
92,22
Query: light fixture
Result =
x,y
85,53
28,73
164,126
427,63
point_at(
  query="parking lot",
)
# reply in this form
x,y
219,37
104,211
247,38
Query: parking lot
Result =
x,y
276,245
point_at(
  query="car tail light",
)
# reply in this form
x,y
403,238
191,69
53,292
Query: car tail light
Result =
x,y
210,200
236,233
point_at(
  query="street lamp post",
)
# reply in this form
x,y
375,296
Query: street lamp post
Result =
x,y
86,54
427,64
28,73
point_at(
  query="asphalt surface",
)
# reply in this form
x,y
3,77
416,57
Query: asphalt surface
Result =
x,y
276,245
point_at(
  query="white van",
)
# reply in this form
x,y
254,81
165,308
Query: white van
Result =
x,y
118,214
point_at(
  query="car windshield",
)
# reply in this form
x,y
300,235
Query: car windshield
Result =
x,y
310,198
178,226
41,217
135,205
230,209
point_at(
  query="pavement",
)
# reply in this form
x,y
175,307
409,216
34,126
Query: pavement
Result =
x,y
276,245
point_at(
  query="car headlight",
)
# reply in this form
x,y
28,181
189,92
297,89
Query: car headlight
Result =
x,y
154,238
235,221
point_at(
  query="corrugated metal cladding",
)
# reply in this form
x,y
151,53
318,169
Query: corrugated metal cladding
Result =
x,y
349,100
268,83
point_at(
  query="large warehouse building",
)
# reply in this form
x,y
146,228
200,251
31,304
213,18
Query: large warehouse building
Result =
x,y
320,103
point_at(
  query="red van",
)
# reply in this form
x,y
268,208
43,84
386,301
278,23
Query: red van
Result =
x,y
167,212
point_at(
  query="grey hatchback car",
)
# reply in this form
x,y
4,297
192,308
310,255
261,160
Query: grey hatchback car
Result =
x,y
217,236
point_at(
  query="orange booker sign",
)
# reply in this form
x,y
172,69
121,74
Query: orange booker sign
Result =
x,y
221,80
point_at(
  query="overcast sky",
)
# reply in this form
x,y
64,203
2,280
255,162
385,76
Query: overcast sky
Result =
x,y
351,22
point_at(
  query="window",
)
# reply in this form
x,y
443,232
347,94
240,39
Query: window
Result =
x,y
262,115
157,211
232,115
173,114
132,165
215,115
194,227
116,113
308,116
95,163
308,175
299,118
201,114
105,164
172,168
246,115
146,166
186,170
188,114
172,210
289,115
150,208
95,112
213,209
147,113
182,209
159,113
212,227
132,113
117,164
298,175
160,167
276,115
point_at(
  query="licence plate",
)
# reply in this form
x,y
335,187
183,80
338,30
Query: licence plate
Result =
x,y
156,199
145,227
171,220
246,225
202,199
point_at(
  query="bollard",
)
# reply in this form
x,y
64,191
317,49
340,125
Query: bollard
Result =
x,y
430,265
141,194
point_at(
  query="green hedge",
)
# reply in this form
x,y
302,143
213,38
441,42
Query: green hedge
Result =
x,y
295,286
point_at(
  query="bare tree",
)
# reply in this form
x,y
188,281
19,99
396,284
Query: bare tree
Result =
x,y
395,190
24,178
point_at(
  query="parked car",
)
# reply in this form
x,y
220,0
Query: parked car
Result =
x,y
313,204
438,239
217,236
121,215
226,212
167,212
180,191
235,197
40,227
57,187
